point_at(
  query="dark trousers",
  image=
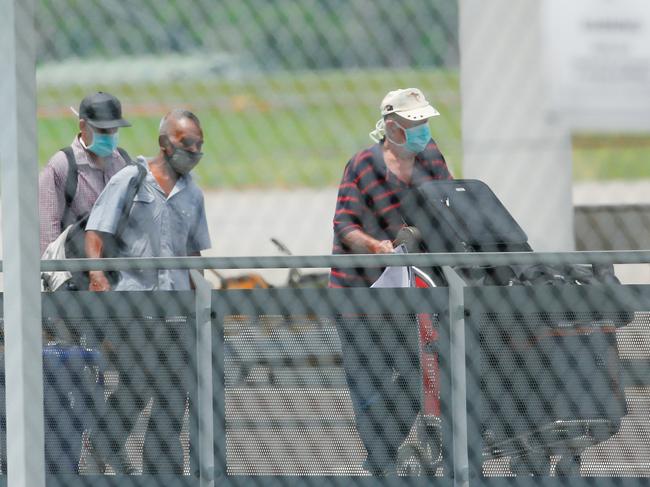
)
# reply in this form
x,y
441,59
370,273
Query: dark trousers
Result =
x,y
153,366
162,450
381,362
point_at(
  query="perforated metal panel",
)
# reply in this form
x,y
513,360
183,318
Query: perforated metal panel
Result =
x,y
289,406
309,383
118,384
562,389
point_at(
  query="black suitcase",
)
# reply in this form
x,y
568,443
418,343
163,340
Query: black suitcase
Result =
x,y
548,387
465,216
462,216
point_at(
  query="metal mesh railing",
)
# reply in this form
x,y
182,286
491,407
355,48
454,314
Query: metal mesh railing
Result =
x,y
313,390
558,397
119,381
321,386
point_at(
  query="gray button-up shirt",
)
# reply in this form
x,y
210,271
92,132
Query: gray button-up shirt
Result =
x,y
158,226
51,187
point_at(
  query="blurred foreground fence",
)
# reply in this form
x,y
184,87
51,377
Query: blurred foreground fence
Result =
x,y
612,227
494,385
286,91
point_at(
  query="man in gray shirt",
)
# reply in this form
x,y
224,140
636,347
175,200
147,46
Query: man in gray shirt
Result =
x,y
167,218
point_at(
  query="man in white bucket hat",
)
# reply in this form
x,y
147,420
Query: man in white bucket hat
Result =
x,y
368,215
367,219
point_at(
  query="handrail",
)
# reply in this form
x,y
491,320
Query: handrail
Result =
x,y
355,260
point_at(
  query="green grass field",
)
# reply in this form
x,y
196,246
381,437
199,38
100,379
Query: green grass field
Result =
x,y
300,129
610,157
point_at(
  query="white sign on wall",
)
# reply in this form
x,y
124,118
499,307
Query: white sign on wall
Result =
x,y
597,59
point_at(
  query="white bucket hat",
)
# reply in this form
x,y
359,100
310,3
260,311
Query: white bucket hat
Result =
x,y
408,103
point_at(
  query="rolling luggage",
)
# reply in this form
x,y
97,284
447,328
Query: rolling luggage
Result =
x,y
73,393
549,386
466,216
462,216
73,399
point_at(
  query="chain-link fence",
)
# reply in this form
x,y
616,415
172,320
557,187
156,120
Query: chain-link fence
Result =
x,y
457,368
287,90
117,383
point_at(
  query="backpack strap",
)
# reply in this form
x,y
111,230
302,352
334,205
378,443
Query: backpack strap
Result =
x,y
70,184
131,192
73,178
125,155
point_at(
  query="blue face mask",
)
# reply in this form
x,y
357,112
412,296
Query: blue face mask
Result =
x,y
103,144
417,138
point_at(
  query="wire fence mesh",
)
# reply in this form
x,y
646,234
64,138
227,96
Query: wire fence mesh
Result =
x,y
489,373
118,378
288,84
552,383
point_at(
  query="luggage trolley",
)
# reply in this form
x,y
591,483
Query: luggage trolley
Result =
x,y
424,455
466,216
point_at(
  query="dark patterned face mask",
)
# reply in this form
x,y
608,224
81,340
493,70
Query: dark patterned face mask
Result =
x,y
183,161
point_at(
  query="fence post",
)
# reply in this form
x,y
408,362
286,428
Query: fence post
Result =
x,y
22,300
458,384
205,443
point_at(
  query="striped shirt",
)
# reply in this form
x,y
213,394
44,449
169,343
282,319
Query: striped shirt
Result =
x,y
369,199
90,183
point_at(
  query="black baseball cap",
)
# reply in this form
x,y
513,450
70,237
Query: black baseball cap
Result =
x,y
102,110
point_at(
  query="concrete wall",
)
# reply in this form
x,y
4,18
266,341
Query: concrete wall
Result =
x,y
509,140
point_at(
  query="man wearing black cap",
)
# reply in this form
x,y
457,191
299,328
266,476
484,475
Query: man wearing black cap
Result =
x,y
93,156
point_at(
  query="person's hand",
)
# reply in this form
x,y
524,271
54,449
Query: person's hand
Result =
x,y
98,281
382,247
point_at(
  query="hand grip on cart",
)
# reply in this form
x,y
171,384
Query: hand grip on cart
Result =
x,y
358,242
410,237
